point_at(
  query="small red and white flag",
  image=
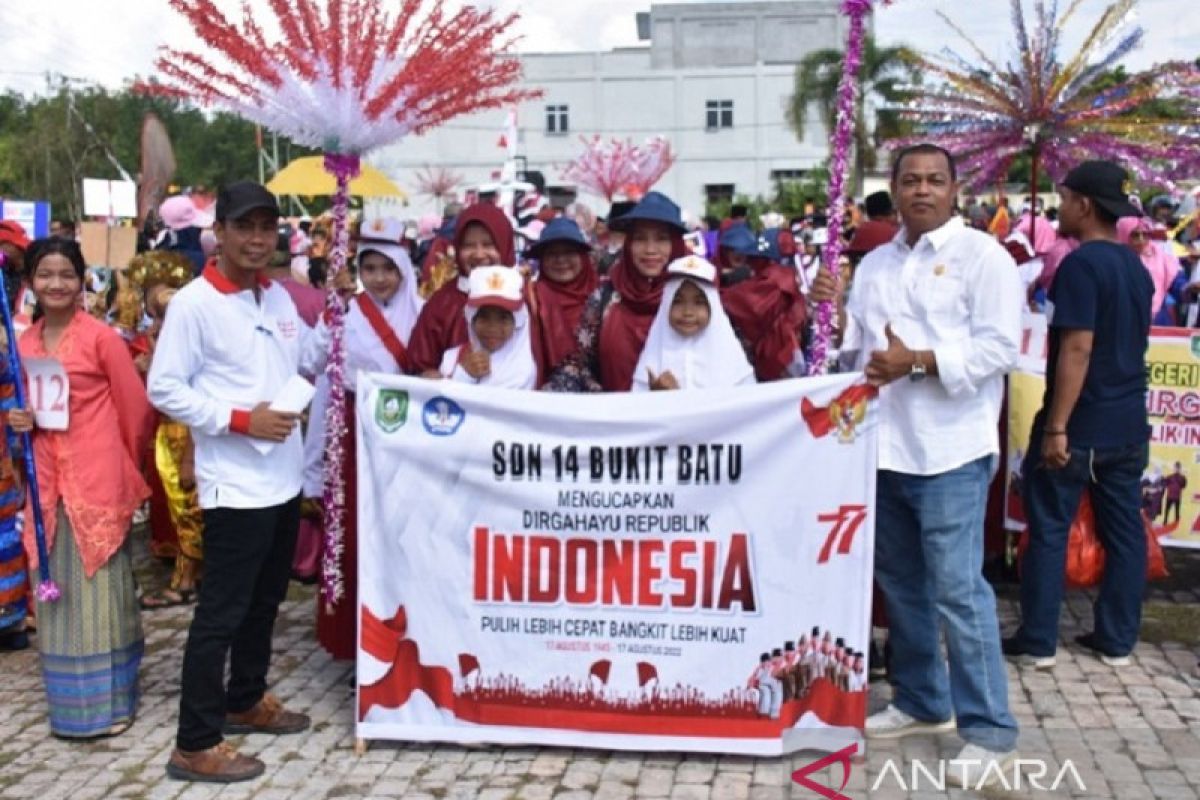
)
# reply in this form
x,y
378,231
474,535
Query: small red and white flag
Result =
x,y
508,134
646,672
600,670
467,664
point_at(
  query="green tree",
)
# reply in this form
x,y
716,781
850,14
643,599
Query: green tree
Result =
x,y
884,76
46,149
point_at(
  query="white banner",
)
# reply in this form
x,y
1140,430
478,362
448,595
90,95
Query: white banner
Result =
x,y
663,571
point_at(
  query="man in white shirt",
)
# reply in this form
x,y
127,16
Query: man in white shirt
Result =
x,y
228,346
935,321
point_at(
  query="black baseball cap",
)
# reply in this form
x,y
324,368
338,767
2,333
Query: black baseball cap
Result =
x,y
1105,184
238,199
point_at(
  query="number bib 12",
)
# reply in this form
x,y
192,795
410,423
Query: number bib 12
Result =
x,y
49,393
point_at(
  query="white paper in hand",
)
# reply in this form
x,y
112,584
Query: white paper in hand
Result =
x,y
295,396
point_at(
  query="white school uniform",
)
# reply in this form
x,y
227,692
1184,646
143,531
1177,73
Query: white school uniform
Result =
x,y
512,366
712,358
365,352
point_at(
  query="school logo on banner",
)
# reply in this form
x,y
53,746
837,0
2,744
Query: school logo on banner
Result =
x,y
391,410
1196,347
442,416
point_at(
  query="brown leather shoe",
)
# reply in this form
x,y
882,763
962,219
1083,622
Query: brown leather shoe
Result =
x,y
267,716
218,764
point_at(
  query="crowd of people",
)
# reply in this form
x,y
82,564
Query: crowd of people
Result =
x,y
171,369
789,672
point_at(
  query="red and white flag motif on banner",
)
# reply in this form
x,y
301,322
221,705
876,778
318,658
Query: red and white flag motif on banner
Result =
x,y
467,664
600,669
646,672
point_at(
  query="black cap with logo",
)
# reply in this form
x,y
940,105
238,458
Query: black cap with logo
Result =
x,y
238,199
1106,185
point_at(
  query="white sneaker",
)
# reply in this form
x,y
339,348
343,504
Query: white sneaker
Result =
x,y
976,768
1037,662
892,723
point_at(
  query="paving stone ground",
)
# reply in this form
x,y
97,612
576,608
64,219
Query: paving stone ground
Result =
x,y
1130,733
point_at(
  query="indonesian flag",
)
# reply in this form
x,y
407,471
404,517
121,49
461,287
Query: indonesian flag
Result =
x,y
508,134
847,409
467,664
600,670
646,673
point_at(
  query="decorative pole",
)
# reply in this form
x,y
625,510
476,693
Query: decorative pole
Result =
x,y
1032,135
344,169
347,76
47,589
857,11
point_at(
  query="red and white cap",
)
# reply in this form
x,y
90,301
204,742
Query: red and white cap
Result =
x,y
381,229
693,267
495,286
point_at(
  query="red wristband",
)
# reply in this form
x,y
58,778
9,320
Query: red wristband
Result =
x,y
239,421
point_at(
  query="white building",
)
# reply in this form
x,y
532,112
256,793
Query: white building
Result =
x,y
714,78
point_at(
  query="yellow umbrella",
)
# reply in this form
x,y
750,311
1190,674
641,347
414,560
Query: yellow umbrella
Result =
x,y
307,176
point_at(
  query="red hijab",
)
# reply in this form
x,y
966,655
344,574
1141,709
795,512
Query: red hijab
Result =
x,y
626,324
492,218
557,309
442,324
766,310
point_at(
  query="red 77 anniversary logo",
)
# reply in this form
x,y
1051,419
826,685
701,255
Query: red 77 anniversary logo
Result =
x,y
845,523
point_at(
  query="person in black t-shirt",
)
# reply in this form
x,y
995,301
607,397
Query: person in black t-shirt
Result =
x,y
1092,432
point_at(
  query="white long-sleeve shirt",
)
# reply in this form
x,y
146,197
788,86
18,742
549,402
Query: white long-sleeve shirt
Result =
x,y
957,293
222,352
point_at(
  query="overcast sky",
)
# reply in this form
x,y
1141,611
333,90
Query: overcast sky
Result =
x,y
109,42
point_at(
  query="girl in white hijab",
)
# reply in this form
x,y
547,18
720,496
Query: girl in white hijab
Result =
x,y
379,322
499,350
691,344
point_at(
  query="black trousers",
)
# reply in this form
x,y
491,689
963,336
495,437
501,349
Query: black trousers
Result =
x,y
247,564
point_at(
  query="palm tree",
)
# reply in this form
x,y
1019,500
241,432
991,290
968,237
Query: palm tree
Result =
x,y
885,73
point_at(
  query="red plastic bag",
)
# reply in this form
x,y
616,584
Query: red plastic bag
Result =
x,y
1156,560
1085,553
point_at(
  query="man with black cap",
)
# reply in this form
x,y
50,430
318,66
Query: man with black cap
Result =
x,y
228,347
1092,431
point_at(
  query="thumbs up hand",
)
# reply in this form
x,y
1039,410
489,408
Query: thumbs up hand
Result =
x,y
895,362
664,381
476,363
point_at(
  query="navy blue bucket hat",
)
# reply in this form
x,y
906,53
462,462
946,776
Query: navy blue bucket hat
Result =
x,y
559,229
739,239
654,207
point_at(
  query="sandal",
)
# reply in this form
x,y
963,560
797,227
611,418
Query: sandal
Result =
x,y
167,598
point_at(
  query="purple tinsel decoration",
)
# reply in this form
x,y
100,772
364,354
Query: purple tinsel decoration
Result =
x,y
344,168
857,10
47,592
1039,103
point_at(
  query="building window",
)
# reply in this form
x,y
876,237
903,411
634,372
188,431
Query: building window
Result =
x,y
787,175
556,119
718,192
718,114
